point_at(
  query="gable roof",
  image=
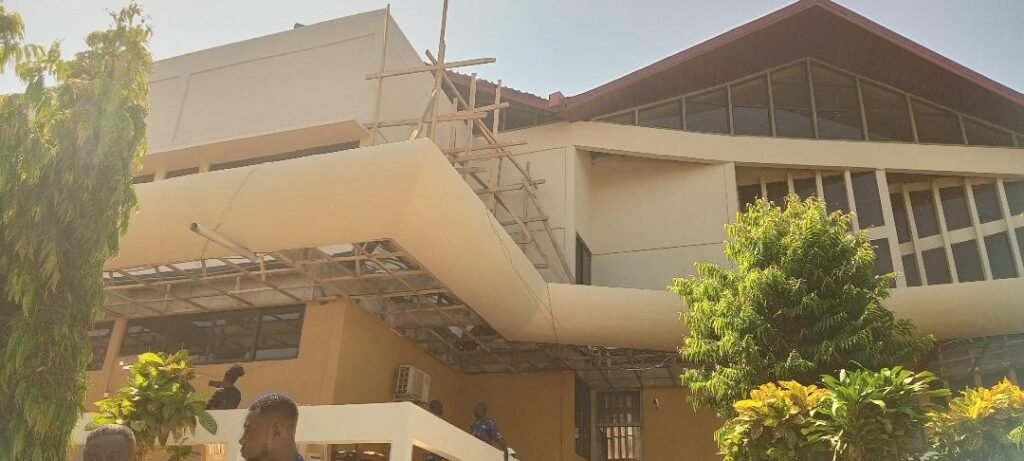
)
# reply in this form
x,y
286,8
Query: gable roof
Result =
x,y
809,28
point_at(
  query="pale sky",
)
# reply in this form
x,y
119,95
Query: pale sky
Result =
x,y
544,46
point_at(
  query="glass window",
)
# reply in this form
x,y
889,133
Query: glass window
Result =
x,y
280,333
924,213
583,261
625,118
748,195
865,193
987,202
883,259
935,124
750,108
980,134
936,267
708,112
791,96
1015,197
1000,256
777,192
835,193
887,114
805,187
145,335
835,98
668,115
899,214
99,340
954,207
318,150
215,338
910,271
1020,241
968,261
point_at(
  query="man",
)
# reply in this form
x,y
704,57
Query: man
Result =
x,y
227,396
437,409
112,442
269,430
484,428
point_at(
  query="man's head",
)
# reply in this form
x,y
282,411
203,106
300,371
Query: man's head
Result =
x,y
481,410
232,374
112,442
437,408
269,432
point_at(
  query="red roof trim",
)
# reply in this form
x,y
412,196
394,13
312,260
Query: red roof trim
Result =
x,y
509,93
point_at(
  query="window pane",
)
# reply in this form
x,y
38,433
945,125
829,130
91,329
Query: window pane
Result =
x,y
835,193
750,108
791,96
987,202
835,95
318,150
145,335
910,271
899,214
1015,196
214,338
968,262
708,112
979,134
583,262
936,125
954,207
887,114
777,192
806,187
748,195
869,206
621,119
1000,256
883,259
99,340
280,332
667,115
1020,241
936,267
924,213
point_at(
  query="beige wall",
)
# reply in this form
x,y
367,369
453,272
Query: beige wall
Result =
x,y
674,431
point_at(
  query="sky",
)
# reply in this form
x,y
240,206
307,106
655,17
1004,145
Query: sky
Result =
x,y
542,46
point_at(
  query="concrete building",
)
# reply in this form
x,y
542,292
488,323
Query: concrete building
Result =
x,y
283,226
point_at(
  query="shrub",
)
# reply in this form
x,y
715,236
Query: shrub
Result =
x,y
981,425
770,424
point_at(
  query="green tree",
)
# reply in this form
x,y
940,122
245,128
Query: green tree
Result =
x,y
158,403
67,148
801,300
985,424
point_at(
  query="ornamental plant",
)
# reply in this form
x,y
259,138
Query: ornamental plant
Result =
x,y
984,424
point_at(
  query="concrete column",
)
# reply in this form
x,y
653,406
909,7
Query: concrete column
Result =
x,y
401,449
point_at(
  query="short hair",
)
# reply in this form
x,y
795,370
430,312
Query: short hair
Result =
x,y
236,371
277,405
112,429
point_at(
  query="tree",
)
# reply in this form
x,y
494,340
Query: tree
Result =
x,y
67,148
802,300
981,424
158,403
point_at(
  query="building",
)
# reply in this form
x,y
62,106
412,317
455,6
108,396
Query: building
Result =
x,y
288,223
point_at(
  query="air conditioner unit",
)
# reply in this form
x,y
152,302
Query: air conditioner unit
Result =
x,y
412,384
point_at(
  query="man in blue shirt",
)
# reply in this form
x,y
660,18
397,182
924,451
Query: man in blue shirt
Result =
x,y
484,428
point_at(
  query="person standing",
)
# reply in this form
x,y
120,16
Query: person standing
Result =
x,y
484,428
269,430
227,396
112,442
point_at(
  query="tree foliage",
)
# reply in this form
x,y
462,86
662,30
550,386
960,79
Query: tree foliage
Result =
x,y
158,403
801,300
981,424
67,148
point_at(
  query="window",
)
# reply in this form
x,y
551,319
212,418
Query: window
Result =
x,y
99,340
1020,241
326,149
865,194
619,425
750,108
663,116
806,187
834,189
748,195
979,134
936,125
1000,256
954,207
791,97
708,112
218,337
924,213
936,266
1014,196
625,118
968,262
888,117
142,179
883,259
777,192
181,172
899,214
583,261
582,419
987,202
836,101
910,271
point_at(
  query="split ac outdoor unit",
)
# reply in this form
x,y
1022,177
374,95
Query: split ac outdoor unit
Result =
x,y
412,384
